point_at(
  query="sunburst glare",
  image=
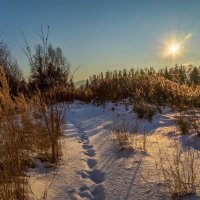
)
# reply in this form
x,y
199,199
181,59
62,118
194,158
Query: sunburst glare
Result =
x,y
175,46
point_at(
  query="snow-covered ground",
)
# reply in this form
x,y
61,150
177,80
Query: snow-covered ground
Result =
x,y
93,168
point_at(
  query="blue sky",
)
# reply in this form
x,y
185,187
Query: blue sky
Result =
x,y
105,35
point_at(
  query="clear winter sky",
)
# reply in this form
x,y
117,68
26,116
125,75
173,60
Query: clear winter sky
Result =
x,y
105,34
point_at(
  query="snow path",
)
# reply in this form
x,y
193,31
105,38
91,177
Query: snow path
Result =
x,y
93,169
94,175
89,121
110,174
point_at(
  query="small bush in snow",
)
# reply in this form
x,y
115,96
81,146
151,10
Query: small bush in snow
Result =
x,y
125,135
51,118
124,140
188,123
184,124
144,110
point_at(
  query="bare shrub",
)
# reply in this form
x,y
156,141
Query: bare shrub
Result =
x,y
124,140
195,121
184,124
50,119
125,134
188,122
179,171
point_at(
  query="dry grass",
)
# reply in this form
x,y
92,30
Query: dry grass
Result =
x,y
152,88
24,137
179,171
124,141
63,94
188,122
50,118
13,151
126,137
183,123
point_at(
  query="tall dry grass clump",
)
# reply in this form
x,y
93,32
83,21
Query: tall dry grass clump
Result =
x,y
50,118
179,171
184,124
29,129
13,180
126,137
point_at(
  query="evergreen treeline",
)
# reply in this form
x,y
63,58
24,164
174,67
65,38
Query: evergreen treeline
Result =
x,y
177,85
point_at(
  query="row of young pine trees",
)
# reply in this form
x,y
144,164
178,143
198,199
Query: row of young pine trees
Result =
x,y
178,85
181,74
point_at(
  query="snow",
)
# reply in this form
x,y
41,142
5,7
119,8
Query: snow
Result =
x,y
93,168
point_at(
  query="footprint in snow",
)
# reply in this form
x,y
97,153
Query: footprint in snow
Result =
x,y
97,193
86,141
83,138
95,175
90,152
72,193
83,188
87,146
86,194
91,163
83,174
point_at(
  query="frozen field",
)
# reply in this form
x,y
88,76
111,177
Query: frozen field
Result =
x,y
93,168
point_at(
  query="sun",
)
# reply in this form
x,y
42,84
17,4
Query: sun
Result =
x,y
174,48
